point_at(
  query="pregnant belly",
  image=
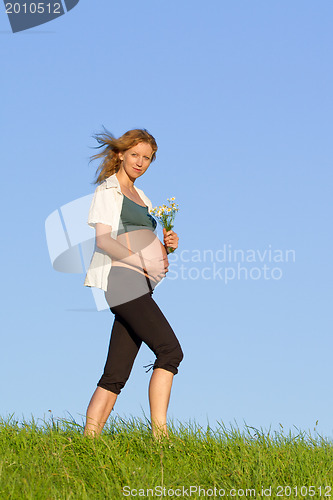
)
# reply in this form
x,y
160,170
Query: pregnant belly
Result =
x,y
144,243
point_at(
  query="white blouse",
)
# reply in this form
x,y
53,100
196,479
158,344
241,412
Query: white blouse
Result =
x,y
106,208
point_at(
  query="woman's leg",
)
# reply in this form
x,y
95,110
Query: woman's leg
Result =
x,y
123,348
98,411
144,317
159,396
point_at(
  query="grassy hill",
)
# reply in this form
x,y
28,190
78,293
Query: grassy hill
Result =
x,y
55,461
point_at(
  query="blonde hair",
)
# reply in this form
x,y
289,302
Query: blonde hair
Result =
x,y
112,146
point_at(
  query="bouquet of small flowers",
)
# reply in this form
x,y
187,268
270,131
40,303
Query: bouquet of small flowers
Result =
x,y
166,215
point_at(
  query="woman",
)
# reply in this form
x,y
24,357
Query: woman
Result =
x,y
128,262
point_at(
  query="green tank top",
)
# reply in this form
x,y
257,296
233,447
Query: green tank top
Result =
x,y
134,216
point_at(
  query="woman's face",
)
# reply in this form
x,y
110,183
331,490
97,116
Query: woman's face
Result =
x,y
136,160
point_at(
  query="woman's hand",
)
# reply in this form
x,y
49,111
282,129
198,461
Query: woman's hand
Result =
x,y
157,267
170,239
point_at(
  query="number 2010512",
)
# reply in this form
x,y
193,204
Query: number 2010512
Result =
x,y
302,491
34,8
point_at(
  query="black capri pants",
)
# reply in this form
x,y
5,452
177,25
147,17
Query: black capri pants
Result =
x,y
137,319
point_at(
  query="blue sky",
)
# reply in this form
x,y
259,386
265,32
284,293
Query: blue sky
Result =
x,y
239,98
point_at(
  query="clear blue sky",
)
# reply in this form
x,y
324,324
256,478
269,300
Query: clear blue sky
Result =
x,y
239,98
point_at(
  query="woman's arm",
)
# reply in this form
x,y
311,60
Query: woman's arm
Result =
x,y
113,248
155,265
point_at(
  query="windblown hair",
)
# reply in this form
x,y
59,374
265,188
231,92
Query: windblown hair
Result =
x,y
112,146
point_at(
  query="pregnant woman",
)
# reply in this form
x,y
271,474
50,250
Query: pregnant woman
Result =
x,y
128,262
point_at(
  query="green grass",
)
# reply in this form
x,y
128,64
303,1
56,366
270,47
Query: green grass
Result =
x,y
53,460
